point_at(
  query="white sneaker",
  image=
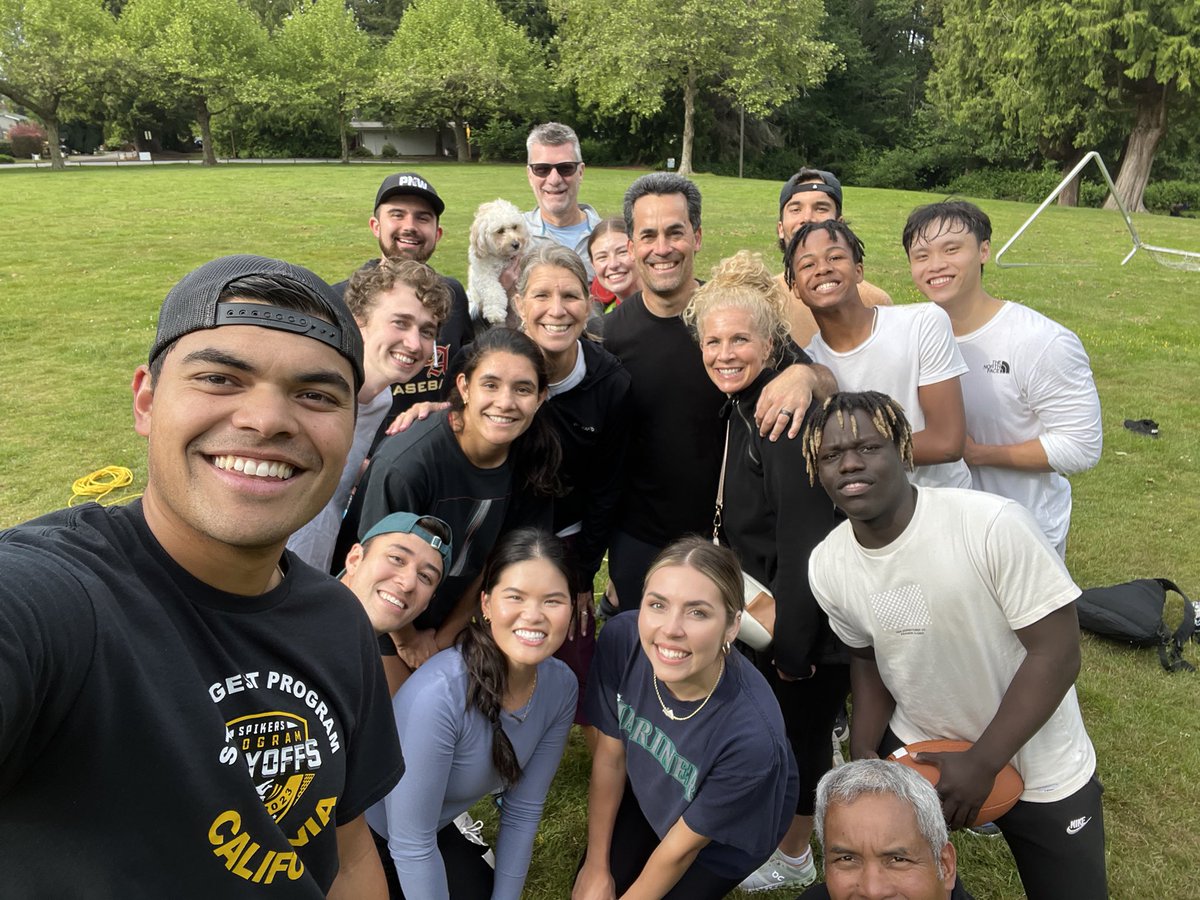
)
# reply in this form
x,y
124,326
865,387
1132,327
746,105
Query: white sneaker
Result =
x,y
473,832
775,873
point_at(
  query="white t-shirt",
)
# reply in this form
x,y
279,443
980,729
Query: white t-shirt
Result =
x,y
909,347
314,542
940,605
1029,377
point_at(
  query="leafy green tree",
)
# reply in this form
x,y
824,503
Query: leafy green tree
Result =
x,y
201,53
379,18
325,59
869,102
1157,42
629,55
55,56
459,61
1059,78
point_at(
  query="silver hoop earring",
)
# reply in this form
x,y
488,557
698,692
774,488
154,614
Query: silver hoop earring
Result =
x,y
726,647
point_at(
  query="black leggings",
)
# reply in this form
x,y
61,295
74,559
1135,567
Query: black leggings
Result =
x,y
810,708
467,873
634,840
628,560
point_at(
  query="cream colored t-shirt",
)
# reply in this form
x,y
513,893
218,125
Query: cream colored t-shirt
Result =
x,y
940,605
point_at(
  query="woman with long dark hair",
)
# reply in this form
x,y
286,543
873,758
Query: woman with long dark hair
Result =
x,y
692,782
773,517
587,405
487,465
490,714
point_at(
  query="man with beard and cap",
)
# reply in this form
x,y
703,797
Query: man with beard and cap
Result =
x,y
406,225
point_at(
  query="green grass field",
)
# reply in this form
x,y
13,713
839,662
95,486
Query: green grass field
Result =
x,y
86,257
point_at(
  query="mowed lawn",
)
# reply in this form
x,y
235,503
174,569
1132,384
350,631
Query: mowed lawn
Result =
x,y
86,257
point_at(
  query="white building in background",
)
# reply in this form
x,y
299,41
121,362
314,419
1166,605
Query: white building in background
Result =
x,y
407,141
8,120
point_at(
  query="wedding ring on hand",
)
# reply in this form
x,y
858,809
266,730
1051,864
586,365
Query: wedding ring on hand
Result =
x,y
786,412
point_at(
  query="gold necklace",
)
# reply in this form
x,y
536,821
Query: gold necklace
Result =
x,y
523,713
670,713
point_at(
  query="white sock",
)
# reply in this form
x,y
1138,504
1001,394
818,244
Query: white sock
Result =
x,y
797,861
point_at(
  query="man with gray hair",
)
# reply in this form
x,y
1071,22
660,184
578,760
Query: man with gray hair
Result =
x,y
555,173
883,833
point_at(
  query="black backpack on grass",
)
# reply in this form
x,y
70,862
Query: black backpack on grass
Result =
x,y
1133,614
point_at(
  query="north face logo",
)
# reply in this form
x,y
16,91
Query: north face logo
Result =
x,y
997,367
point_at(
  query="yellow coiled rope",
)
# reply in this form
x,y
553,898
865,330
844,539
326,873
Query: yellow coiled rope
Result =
x,y
97,485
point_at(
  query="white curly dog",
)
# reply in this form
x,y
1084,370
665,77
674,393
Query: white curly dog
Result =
x,y
498,235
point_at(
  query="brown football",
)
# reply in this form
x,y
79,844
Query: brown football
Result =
x,y
1006,790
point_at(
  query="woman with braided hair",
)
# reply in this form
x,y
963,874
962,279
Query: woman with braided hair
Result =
x,y
490,714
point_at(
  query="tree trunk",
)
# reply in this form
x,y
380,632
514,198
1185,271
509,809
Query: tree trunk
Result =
x,y
460,139
205,121
342,133
1150,124
56,157
689,123
1070,193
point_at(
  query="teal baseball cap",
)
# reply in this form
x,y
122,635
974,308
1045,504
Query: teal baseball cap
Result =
x,y
406,523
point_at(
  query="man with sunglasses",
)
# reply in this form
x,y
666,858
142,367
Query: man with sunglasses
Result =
x,y
555,173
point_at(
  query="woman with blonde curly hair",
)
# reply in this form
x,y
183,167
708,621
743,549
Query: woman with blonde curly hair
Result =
x,y
772,517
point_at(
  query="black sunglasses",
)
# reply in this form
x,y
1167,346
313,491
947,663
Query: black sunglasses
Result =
x,y
564,169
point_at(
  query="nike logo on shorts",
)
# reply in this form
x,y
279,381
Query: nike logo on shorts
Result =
x,y
1076,825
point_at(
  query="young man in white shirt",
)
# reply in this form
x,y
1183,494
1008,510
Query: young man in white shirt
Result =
x,y
813,195
907,352
961,623
1033,414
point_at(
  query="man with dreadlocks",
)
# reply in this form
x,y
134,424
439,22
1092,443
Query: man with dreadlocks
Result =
x,y
960,618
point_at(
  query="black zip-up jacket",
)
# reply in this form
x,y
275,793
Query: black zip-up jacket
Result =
x,y
592,421
773,518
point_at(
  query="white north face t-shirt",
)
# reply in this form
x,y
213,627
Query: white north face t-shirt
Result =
x,y
1030,378
940,605
909,347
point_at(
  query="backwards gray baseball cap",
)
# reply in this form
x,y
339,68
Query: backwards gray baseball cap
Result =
x,y
195,304
812,180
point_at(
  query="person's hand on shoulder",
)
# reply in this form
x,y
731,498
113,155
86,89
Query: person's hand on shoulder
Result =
x,y
418,412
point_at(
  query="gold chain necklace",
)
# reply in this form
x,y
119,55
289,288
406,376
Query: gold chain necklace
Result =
x,y
523,713
670,713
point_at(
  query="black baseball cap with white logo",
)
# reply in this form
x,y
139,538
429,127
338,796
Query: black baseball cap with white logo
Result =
x,y
409,183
